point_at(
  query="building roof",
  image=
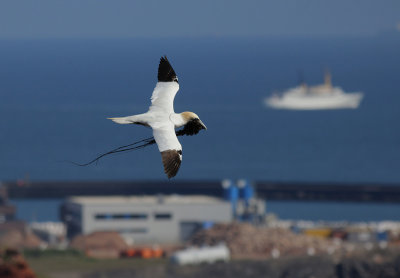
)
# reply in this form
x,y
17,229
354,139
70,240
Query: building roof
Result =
x,y
161,199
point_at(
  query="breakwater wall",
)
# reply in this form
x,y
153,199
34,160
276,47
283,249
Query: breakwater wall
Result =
x,y
267,190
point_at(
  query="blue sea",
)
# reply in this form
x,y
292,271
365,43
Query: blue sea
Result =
x,y
57,94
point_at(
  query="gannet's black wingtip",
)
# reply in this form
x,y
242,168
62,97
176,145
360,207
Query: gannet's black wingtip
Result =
x,y
165,71
172,161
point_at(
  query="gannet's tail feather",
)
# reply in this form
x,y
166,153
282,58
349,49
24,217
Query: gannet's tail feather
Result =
x,y
140,119
122,120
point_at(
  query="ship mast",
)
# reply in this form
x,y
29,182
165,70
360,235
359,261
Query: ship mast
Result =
x,y
328,79
302,83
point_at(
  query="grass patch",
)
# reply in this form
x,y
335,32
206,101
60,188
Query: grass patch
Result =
x,y
46,262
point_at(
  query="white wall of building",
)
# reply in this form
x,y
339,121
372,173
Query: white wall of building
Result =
x,y
149,220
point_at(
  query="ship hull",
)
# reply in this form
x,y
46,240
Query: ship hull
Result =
x,y
313,102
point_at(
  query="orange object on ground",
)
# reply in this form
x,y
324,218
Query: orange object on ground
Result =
x,y
144,253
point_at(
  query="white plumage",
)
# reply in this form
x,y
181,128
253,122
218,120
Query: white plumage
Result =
x,y
163,120
166,138
163,96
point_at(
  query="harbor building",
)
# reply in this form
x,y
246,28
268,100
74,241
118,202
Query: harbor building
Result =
x,y
145,219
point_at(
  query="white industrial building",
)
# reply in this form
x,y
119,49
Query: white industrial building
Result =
x,y
146,219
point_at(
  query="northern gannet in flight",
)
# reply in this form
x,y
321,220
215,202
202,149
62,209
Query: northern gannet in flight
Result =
x,y
163,120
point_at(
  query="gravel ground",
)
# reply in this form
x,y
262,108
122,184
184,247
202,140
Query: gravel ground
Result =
x,y
246,241
371,265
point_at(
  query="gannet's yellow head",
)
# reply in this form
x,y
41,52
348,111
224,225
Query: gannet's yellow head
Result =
x,y
192,117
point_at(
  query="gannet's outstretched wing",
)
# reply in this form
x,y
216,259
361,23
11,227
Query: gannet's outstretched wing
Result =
x,y
162,102
170,149
162,99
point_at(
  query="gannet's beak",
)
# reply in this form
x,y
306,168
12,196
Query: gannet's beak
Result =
x,y
202,124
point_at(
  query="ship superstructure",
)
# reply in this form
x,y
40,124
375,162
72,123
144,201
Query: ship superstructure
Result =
x,y
324,96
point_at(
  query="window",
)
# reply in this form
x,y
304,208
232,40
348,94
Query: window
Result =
x,y
102,216
120,216
162,216
138,216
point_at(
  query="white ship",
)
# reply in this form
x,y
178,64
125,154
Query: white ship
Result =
x,y
323,96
